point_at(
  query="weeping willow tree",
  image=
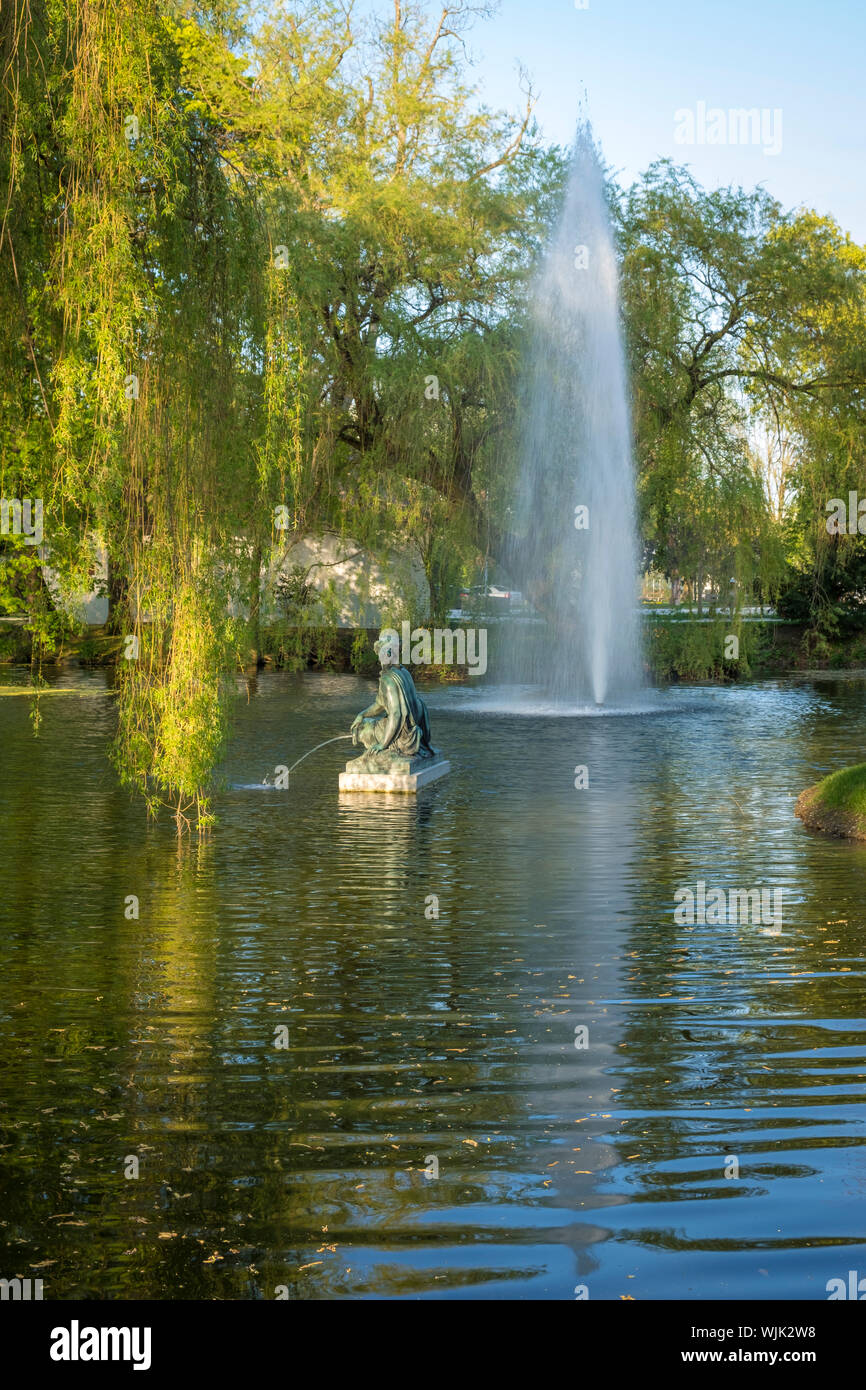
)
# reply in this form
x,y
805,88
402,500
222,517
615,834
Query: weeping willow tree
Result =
x,y
408,216
739,314
823,426
264,281
135,284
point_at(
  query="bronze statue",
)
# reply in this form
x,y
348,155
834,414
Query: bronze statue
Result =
x,y
395,734
396,725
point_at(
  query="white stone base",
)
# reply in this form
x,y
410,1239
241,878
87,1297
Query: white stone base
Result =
x,y
387,782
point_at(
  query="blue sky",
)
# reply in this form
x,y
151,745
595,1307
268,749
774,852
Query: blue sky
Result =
x,y
639,63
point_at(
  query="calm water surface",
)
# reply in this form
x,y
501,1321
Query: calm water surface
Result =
x,y
415,1040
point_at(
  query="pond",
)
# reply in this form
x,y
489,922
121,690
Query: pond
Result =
x,y
448,1046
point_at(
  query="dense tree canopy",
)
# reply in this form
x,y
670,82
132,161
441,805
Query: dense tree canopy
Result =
x,y
743,322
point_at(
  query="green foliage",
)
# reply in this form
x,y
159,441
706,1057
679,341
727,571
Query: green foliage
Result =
x,y
740,319
173,707
363,658
680,649
830,593
844,790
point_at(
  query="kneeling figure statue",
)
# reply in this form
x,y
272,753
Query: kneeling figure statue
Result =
x,y
394,732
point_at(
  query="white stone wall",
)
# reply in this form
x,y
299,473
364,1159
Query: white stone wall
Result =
x,y
355,589
352,588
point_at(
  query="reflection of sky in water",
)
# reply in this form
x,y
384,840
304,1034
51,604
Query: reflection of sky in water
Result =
x,y
452,1036
524,701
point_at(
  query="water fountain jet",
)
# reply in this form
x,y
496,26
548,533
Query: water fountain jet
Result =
x,y
576,534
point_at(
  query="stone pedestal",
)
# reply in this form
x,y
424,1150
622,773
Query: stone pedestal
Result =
x,y
383,772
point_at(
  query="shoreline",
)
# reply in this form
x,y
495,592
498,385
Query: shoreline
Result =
x,y
816,809
677,651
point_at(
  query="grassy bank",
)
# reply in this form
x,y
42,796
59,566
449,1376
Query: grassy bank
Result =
x,y
837,805
683,648
677,647
282,649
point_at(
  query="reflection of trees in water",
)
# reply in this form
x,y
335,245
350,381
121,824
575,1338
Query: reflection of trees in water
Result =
x,y
61,1031
377,1095
716,1008
247,1152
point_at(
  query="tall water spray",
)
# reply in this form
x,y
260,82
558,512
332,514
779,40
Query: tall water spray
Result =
x,y
576,526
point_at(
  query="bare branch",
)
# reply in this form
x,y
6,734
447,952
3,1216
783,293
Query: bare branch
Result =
x,y
512,149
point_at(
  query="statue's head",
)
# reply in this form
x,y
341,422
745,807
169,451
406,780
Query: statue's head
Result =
x,y
387,648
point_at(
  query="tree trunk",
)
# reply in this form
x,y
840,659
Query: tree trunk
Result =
x,y
255,630
119,618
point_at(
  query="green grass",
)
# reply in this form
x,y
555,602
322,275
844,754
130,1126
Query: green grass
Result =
x,y
837,805
844,790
